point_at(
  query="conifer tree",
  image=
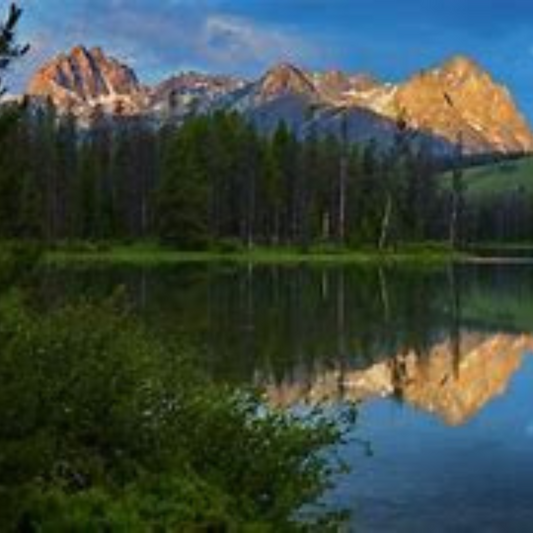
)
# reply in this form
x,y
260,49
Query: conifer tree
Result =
x,y
9,49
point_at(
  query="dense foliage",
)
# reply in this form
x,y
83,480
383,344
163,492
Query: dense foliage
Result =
x,y
215,178
103,428
9,49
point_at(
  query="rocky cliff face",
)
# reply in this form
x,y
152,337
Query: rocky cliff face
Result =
x,y
285,80
457,101
84,81
461,100
191,92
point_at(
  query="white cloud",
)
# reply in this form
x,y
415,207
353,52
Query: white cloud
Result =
x,y
230,40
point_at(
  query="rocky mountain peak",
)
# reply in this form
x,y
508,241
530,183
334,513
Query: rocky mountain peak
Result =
x,y
336,78
285,79
85,78
461,65
333,84
459,98
199,82
455,99
190,91
364,82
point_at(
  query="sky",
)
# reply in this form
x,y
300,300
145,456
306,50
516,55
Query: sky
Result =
x,y
390,39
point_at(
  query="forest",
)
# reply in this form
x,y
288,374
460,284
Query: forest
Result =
x,y
217,180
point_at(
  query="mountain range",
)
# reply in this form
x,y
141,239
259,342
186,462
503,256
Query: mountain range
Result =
x,y
457,101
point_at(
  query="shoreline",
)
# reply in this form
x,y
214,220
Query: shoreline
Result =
x,y
150,254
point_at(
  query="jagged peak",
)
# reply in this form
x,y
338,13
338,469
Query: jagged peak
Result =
x,y
98,53
365,81
286,78
462,64
79,49
285,67
86,77
82,52
335,74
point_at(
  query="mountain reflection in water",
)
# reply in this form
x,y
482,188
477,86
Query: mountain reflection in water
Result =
x,y
437,356
453,381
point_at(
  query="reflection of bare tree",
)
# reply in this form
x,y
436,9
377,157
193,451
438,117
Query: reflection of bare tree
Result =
x,y
143,290
325,284
455,301
249,310
399,377
341,328
384,293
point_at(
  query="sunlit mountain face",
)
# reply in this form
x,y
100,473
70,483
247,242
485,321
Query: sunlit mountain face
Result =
x,y
454,100
389,38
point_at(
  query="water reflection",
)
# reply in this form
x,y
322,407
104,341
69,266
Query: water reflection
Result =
x,y
443,340
452,385
426,350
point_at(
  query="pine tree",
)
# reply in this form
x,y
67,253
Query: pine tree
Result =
x,y
183,197
13,168
9,49
285,150
394,175
271,187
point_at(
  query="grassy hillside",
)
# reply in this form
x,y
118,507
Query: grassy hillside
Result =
x,y
487,181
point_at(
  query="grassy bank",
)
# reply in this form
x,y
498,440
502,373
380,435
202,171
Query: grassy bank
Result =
x,y
153,254
494,180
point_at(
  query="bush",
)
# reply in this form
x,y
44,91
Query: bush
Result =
x,y
105,429
18,261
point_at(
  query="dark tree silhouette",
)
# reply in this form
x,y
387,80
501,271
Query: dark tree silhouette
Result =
x,y
9,49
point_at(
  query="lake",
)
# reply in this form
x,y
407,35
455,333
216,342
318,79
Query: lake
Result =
x,y
439,359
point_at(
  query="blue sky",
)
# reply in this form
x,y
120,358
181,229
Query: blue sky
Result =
x,y
389,38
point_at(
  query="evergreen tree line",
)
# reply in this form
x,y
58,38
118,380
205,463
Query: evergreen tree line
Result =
x,y
216,179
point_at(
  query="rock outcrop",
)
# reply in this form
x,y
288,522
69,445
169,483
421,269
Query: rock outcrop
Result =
x,y
84,80
461,101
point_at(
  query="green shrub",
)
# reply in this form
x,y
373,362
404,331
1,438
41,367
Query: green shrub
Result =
x,y
105,429
18,261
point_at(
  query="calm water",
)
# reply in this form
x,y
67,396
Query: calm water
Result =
x,y
440,359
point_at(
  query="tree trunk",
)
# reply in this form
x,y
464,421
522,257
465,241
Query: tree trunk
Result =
x,y
342,199
453,220
385,224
